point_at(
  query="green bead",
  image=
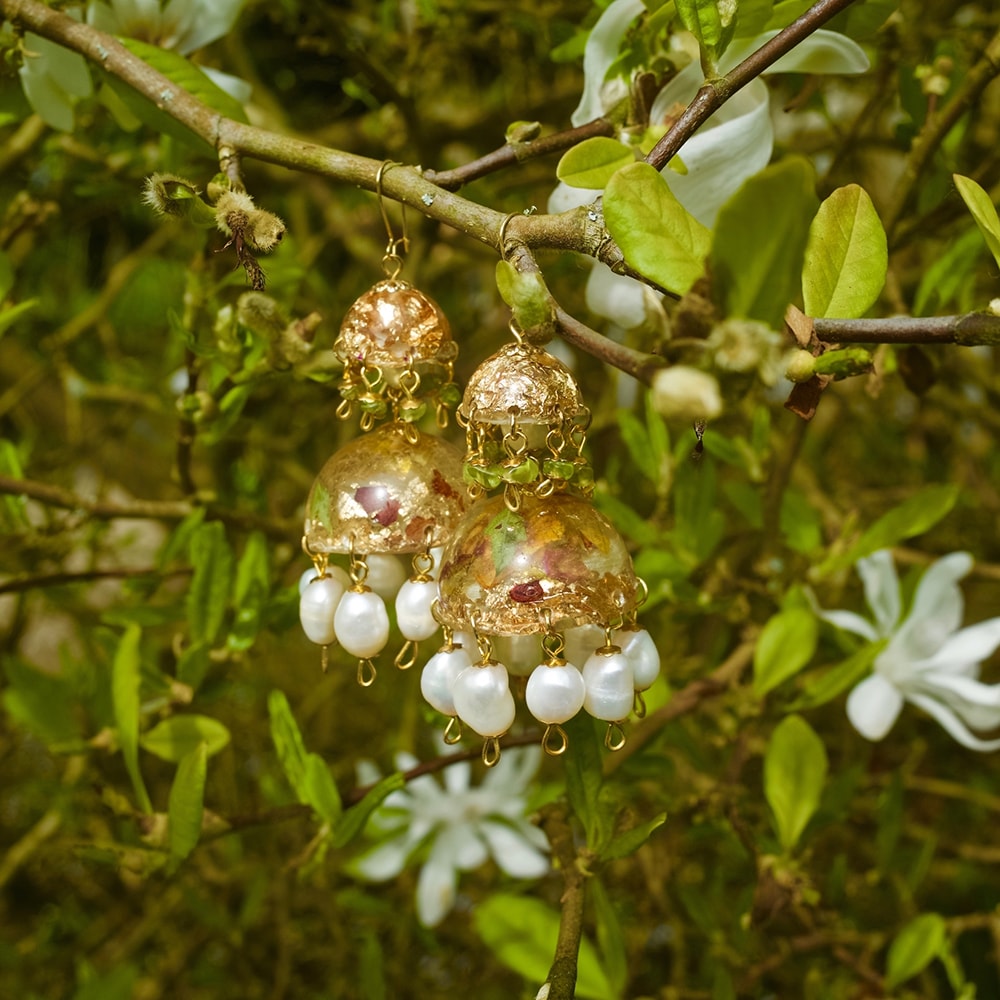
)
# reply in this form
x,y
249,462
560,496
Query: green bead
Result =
x,y
524,472
450,394
558,468
481,477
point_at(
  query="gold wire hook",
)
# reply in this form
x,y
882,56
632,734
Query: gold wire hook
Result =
x,y
395,243
557,749
614,738
502,235
407,656
639,705
366,673
491,751
453,731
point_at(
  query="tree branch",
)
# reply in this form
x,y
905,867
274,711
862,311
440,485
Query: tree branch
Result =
x,y
970,330
512,153
715,93
21,584
155,510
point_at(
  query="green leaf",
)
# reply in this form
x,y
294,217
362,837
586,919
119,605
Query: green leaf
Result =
x,y
193,664
187,804
752,17
6,275
610,938
522,933
179,736
786,644
307,773
637,442
10,315
125,680
184,74
656,234
631,840
584,777
352,822
250,592
526,294
983,211
213,569
41,702
846,257
13,515
760,240
711,22
912,517
834,681
915,947
795,767
591,163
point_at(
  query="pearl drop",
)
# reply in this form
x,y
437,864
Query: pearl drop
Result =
x,y
362,623
317,607
386,574
519,652
413,609
642,653
610,686
334,571
437,679
581,642
483,700
555,693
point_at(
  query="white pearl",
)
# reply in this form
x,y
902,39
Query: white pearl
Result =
x,y
610,687
581,642
483,700
317,607
438,678
362,623
555,693
311,574
642,653
519,652
386,574
413,609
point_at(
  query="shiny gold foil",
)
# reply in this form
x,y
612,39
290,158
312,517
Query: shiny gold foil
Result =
x,y
380,493
394,325
555,560
525,381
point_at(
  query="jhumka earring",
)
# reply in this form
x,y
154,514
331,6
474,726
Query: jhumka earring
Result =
x,y
394,490
537,559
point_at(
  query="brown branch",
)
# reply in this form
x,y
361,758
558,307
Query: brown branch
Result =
x,y
720,680
715,93
937,127
155,510
970,330
21,584
512,153
555,822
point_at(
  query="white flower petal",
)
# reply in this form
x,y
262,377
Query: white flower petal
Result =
x,y
564,198
200,21
966,648
436,888
732,146
598,55
616,297
461,843
234,86
977,704
873,706
822,52
936,612
457,777
952,724
366,771
848,621
516,769
515,856
878,574
384,861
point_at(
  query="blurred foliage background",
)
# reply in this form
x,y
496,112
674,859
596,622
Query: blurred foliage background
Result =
x,y
99,400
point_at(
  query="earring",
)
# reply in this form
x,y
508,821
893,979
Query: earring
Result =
x,y
536,561
395,489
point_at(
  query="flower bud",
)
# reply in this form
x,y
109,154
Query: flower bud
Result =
x,y
800,366
686,393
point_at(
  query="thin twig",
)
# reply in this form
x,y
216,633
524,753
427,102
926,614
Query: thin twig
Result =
x,y
715,93
43,580
513,153
937,127
969,330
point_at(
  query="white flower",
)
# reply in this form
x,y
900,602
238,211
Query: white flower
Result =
x,y
928,659
733,145
456,828
684,393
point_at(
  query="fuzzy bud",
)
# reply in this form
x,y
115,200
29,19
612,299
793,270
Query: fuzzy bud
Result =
x,y
800,366
685,393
